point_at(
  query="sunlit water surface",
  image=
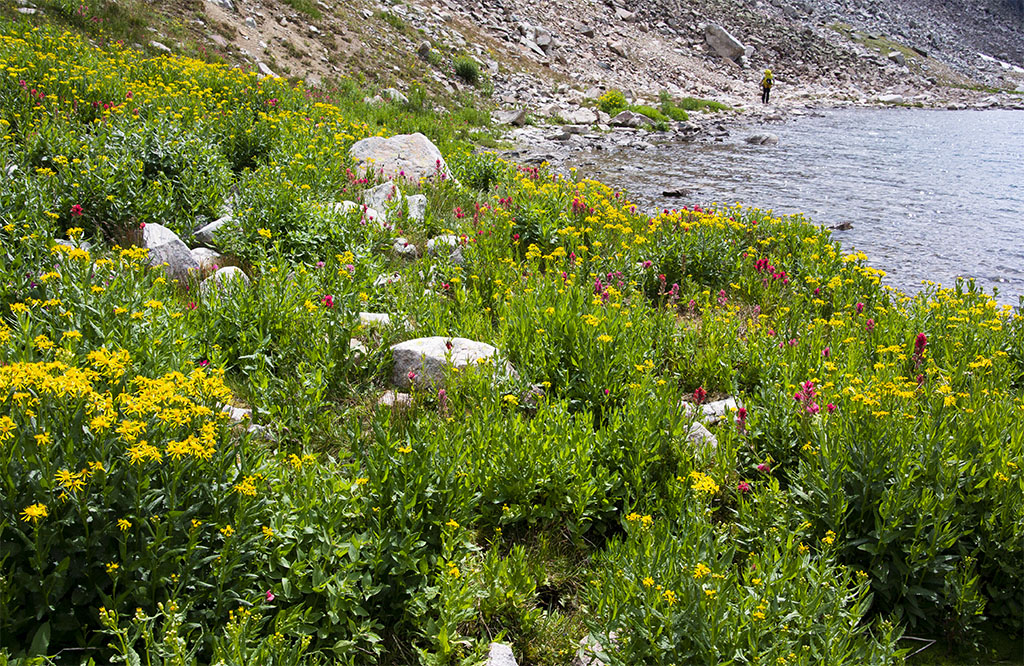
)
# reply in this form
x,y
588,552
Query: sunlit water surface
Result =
x,y
932,195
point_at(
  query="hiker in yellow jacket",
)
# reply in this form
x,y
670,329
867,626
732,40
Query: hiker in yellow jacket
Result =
x,y
766,85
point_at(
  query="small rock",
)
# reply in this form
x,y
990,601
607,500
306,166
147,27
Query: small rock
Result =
x,y
404,249
629,119
724,44
395,96
265,70
891,99
163,48
499,654
619,48
763,139
514,117
205,234
385,279
417,205
251,23
897,57
369,319
205,257
676,192
582,116
435,244
698,434
236,413
624,15
395,400
223,280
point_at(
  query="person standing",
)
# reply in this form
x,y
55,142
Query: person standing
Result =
x,y
766,85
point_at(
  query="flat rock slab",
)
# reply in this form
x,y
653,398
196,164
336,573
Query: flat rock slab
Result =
x,y
411,156
422,362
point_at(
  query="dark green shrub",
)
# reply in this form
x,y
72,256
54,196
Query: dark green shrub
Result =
x,y
467,69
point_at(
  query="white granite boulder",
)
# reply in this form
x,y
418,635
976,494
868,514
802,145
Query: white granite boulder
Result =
x,y
411,156
422,362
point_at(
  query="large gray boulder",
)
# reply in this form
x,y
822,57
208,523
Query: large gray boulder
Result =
x,y
205,235
422,362
167,250
724,44
411,156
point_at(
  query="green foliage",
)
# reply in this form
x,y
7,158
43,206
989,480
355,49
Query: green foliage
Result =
x,y
467,69
870,483
612,102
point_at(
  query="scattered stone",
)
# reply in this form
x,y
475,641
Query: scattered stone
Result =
x,y
411,156
382,197
435,244
385,279
251,23
236,413
897,57
27,11
404,249
162,48
423,50
676,192
724,44
205,257
395,400
417,205
229,277
422,361
167,250
891,99
624,15
629,119
701,435
712,412
499,654
514,117
265,70
205,235
226,5
395,96
369,319
582,116
619,48
763,139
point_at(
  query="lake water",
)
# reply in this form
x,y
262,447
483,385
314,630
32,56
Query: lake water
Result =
x,y
932,195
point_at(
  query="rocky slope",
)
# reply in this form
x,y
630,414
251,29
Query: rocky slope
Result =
x,y
543,52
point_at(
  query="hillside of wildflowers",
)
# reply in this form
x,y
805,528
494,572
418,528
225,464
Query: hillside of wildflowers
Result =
x,y
866,486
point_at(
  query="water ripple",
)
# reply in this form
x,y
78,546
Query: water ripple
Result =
x,y
932,194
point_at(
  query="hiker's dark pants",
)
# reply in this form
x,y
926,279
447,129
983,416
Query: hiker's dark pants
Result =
x,y
764,94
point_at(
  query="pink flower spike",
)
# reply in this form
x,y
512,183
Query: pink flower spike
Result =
x,y
270,596
743,487
831,408
764,467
